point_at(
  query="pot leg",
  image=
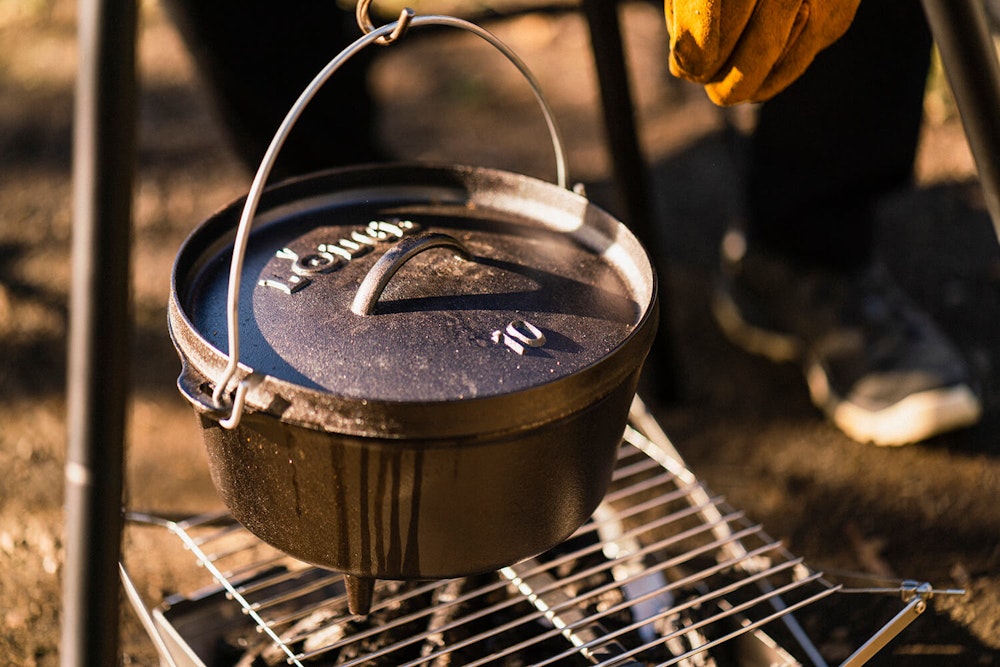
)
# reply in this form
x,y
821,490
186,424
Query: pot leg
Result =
x,y
360,591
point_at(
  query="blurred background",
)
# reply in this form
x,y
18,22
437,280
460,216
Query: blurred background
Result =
x,y
927,511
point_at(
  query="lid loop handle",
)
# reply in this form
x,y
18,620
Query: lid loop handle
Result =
x,y
385,268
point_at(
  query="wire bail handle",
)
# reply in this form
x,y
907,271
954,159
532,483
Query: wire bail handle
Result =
x,y
386,34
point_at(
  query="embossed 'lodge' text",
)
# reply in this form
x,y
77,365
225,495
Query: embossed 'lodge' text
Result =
x,y
301,269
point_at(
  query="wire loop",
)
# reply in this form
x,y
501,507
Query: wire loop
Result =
x,y
367,25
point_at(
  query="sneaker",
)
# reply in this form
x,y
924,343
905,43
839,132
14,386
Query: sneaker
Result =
x,y
874,363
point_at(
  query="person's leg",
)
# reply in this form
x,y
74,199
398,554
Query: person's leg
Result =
x,y
803,284
844,135
258,57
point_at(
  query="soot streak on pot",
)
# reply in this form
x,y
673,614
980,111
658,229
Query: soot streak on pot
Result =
x,y
411,556
402,491
382,493
364,512
394,555
292,447
341,527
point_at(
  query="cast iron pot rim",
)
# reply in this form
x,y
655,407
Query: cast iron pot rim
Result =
x,y
324,410
486,417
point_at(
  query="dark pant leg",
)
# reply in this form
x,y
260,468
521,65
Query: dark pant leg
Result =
x,y
845,134
257,57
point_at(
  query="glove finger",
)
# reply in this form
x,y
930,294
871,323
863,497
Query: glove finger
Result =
x,y
827,22
703,34
773,27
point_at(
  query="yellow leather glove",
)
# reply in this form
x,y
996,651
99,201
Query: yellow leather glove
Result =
x,y
750,50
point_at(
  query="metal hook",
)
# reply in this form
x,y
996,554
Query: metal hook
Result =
x,y
239,401
367,26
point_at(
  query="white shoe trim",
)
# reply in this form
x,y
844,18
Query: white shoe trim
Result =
x,y
917,417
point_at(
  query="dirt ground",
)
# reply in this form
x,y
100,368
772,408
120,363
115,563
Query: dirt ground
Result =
x,y
928,512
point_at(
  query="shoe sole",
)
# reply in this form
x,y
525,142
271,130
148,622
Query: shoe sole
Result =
x,y
917,417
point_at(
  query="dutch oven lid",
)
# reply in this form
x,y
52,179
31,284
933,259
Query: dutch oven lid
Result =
x,y
440,285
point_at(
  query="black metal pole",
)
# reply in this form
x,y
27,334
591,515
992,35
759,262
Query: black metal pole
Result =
x,y
99,329
961,31
630,174
627,163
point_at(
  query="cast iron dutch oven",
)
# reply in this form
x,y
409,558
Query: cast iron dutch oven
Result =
x,y
435,364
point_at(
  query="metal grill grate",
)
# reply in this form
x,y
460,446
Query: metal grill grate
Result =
x,y
665,573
